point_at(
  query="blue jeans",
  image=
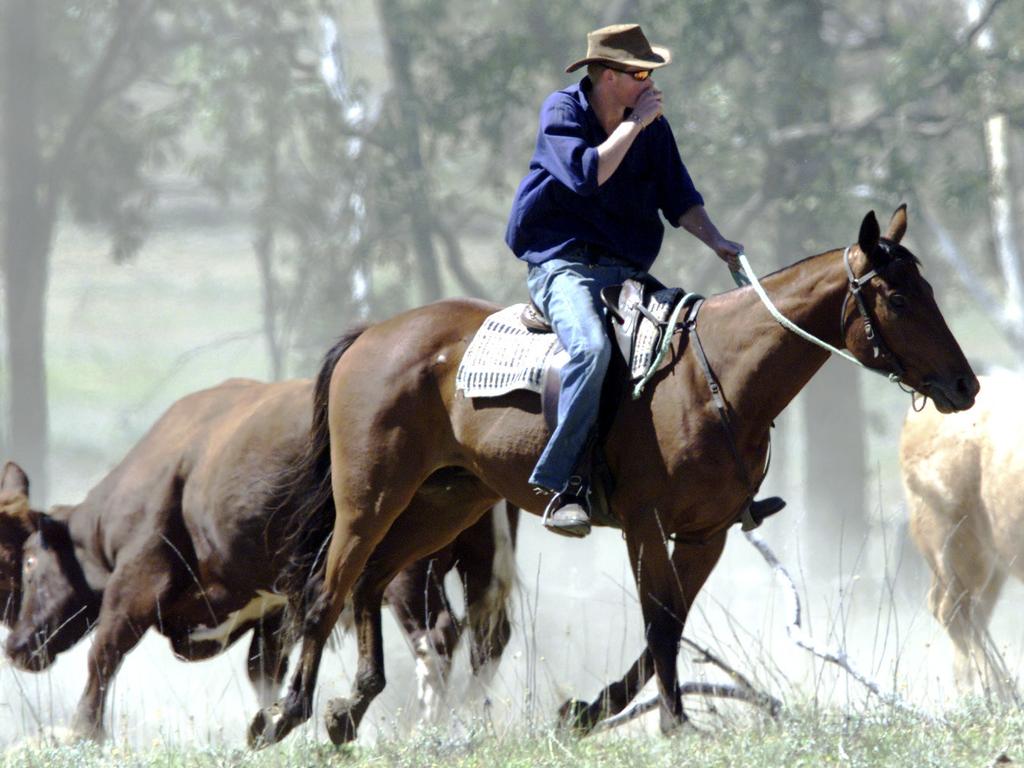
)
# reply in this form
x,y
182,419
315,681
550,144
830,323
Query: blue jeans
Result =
x,y
568,293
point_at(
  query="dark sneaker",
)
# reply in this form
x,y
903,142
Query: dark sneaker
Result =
x,y
758,510
568,513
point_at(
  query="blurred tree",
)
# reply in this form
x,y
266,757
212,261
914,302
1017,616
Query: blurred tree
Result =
x,y
806,170
982,44
280,140
75,139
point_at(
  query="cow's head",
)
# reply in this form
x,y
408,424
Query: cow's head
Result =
x,y
17,521
58,607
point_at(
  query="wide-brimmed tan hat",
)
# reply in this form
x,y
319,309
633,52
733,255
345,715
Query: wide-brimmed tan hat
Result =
x,y
623,45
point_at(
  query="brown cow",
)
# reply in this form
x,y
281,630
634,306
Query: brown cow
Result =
x,y
16,523
962,474
181,536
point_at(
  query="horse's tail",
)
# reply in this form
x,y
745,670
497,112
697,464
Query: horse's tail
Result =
x,y
306,502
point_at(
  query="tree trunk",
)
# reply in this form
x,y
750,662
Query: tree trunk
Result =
x,y
27,239
1001,206
415,188
270,110
1000,188
832,465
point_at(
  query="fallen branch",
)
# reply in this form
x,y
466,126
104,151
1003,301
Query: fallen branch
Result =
x,y
836,656
718,690
740,690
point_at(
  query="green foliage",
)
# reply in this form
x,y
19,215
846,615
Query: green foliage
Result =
x,y
761,95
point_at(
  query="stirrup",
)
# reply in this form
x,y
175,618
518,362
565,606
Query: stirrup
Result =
x,y
575,493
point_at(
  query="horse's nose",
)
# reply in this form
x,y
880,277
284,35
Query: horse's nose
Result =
x,y
968,387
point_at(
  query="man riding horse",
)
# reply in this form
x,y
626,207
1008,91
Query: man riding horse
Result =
x,y
586,217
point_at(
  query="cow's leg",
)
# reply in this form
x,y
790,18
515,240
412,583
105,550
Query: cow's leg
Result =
x,y
130,606
422,529
419,601
994,676
964,608
267,661
691,565
965,585
485,559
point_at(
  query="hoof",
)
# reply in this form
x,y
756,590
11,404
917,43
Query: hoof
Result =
x,y
341,726
268,727
672,725
575,715
82,731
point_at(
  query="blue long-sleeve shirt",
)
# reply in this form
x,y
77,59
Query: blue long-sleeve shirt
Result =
x,y
559,204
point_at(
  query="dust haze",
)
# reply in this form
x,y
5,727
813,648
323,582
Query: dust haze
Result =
x,y
231,217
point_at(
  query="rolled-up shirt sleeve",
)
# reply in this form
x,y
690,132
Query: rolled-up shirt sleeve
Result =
x,y
677,193
562,149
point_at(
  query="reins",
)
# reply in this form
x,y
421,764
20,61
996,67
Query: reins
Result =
x,y
748,277
854,286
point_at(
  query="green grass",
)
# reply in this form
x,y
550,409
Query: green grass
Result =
x,y
970,736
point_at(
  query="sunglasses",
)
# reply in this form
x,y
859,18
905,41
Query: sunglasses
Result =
x,y
639,76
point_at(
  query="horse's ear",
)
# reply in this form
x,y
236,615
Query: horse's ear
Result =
x,y
869,234
898,224
14,479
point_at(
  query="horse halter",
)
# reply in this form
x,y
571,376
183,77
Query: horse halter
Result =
x,y
854,286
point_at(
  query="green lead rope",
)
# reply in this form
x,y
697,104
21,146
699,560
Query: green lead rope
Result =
x,y
666,342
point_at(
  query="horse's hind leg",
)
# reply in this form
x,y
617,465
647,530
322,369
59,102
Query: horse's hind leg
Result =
x,y
344,715
361,521
423,528
965,610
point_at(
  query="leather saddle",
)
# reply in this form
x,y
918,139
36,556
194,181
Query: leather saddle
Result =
x,y
627,305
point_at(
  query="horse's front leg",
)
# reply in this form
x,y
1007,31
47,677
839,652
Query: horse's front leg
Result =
x,y
690,566
582,717
667,587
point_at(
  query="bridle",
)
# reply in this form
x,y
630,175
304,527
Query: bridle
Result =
x,y
854,286
881,352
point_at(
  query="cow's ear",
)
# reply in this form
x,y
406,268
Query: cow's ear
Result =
x,y
14,479
53,534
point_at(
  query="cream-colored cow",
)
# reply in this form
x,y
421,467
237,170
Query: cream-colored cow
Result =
x,y
963,475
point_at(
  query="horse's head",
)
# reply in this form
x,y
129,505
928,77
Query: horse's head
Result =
x,y
910,335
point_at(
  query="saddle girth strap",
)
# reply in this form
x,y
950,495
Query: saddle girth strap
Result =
x,y
723,410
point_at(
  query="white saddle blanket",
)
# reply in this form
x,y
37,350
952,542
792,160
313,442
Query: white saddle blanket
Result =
x,y
504,355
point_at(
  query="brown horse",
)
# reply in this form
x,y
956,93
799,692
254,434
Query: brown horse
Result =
x,y
181,537
400,437
962,479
